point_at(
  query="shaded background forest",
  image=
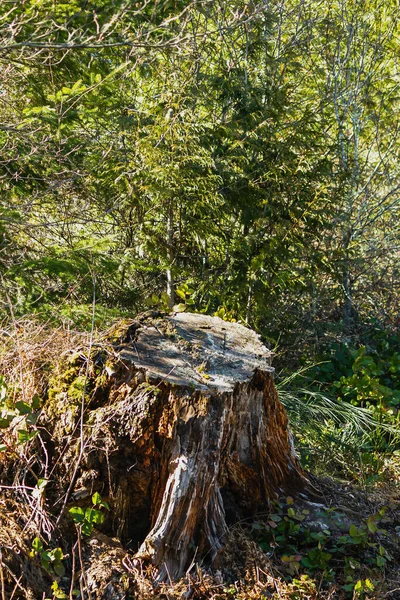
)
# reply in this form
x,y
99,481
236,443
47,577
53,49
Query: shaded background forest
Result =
x,y
235,158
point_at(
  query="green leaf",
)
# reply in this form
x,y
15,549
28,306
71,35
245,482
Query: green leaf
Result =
x,y
96,498
371,524
353,531
86,528
180,293
165,298
58,554
359,586
94,516
179,308
46,556
98,517
77,513
35,402
32,418
23,408
59,569
89,512
37,545
25,436
5,421
276,518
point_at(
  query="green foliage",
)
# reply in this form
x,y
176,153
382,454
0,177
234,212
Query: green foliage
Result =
x,y
366,376
302,587
231,160
50,559
86,519
26,415
344,411
292,535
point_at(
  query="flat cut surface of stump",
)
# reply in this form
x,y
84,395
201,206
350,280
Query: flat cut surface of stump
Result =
x,y
198,350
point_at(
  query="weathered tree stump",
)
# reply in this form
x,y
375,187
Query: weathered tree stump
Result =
x,y
205,433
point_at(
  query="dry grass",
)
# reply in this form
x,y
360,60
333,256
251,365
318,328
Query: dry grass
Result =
x,y
27,350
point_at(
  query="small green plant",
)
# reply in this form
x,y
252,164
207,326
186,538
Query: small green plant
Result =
x,y
360,588
186,294
27,415
225,314
301,588
161,302
86,519
58,592
50,560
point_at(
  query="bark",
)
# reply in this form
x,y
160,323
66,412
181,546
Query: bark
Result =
x,y
191,439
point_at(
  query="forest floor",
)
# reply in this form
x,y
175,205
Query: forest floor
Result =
x,y
246,571
373,518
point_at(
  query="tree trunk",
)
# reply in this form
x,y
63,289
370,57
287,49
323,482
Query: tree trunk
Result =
x,y
205,438
171,257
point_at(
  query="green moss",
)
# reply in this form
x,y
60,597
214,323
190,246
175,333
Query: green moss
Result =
x,y
148,387
78,388
66,385
101,380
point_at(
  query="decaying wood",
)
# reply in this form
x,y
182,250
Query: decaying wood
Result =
x,y
196,435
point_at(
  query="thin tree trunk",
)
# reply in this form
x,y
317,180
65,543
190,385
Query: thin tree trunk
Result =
x,y
171,256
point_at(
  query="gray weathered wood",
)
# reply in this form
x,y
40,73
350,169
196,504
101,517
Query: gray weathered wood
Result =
x,y
198,350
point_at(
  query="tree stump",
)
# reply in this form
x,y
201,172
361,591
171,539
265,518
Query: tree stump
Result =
x,y
206,433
